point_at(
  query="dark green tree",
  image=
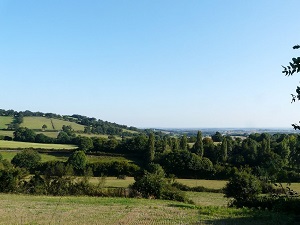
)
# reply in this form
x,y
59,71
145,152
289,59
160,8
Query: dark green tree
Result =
x,y
150,152
84,143
151,183
224,150
44,127
28,159
78,160
198,146
183,142
242,187
217,137
24,134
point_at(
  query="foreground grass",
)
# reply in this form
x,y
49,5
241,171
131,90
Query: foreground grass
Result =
x,y
17,145
23,209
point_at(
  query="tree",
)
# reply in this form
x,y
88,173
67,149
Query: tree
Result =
x,y
152,182
224,150
24,134
84,143
44,127
243,186
150,149
78,160
26,159
217,137
183,142
293,67
198,146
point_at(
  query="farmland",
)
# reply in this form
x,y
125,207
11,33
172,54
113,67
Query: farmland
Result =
x,y
36,123
109,211
4,121
23,145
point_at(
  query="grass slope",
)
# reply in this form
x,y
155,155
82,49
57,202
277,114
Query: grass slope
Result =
x,y
5,121
24,209
17,145
52,124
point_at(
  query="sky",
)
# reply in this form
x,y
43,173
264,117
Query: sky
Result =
x,y
150,63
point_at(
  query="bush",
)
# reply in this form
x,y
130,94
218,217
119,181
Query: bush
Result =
x,y
242,187
78,161
27,158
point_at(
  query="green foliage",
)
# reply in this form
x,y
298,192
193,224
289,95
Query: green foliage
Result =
x,y
78,160
24,134
150,149
27,158
113,168
198,146
151,184
84,143
10,179
243,186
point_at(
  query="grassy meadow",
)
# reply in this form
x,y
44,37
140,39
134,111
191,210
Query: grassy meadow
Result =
x,y
25,209
36,123
19,145
5,121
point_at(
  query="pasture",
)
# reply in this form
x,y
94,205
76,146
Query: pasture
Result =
x,y
36,123
9,133
23,145
5,121
25,209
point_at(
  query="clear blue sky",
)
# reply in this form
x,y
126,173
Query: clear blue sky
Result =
x,y
152,63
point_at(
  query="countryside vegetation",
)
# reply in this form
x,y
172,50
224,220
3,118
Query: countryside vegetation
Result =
x,y
74,169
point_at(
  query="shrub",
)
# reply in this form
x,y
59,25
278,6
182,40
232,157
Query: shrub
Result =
x,y
78,161
242,187
27,158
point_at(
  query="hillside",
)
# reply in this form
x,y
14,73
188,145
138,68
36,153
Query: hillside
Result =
x,y
50,122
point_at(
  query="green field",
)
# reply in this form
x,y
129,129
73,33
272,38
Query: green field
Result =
x,y
17,145
5,121
45,156
9,133
25,209
36,123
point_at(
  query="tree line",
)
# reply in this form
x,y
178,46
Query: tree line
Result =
x,y
271,156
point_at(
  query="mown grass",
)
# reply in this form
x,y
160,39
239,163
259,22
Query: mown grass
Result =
x,y
20,145
213,184
24,209
5,121
9,133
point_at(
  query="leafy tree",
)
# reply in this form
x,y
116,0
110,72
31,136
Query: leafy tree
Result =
x,y
27,158
78,160
243,186
183,142
69,130
150,152
293,67
224,149
63,138
44,127
10,179
84,143
24,134
198,146
42,138
217,137
151,183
